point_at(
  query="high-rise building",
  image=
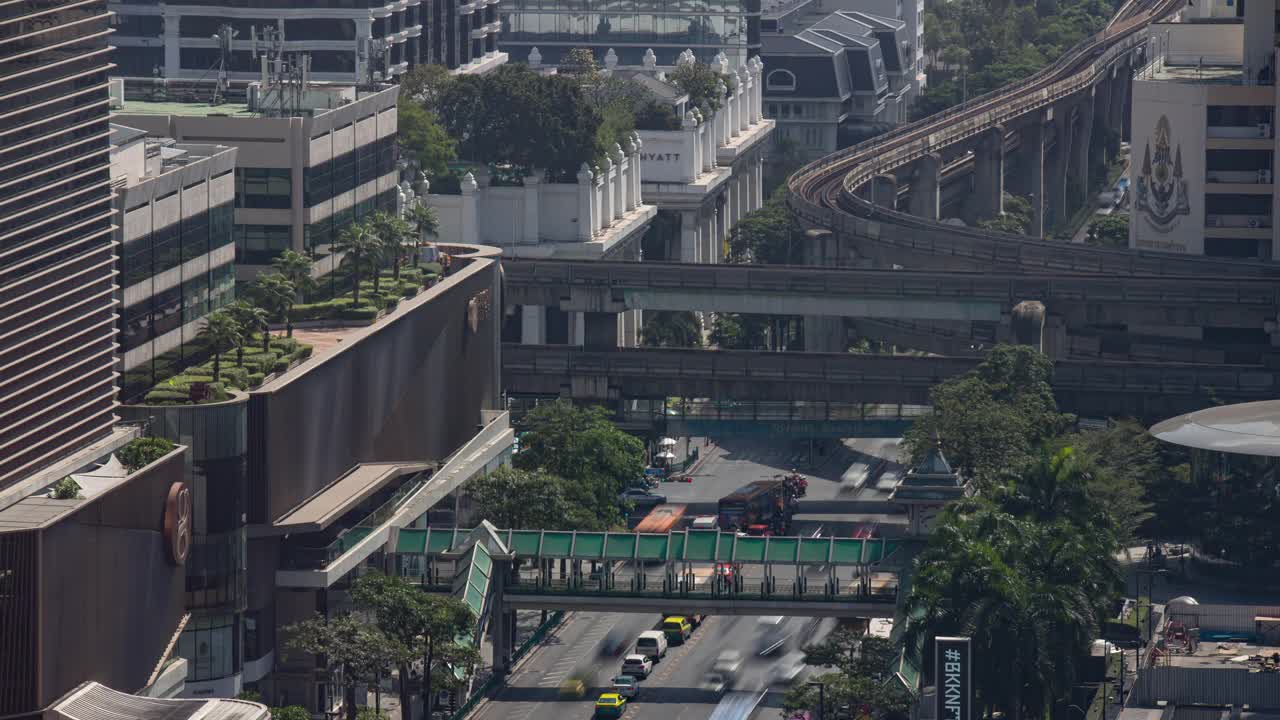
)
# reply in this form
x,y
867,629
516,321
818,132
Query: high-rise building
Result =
x,y
348,40
57,260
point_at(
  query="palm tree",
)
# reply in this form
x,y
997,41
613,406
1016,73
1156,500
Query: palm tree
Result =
x,y
426,222
276,294
222,332
397,234
297,268
359,244
250,317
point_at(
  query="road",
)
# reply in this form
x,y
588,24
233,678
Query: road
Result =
x,y
672,692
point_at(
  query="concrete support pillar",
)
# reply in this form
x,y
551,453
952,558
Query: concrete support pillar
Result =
x,y
586,189
533,325
709,236
757,183
629,324
621,183
608,177
988,174
1102,114
925,187
884,191
1121,103
636,198
1081,143
689,236
1032,152
600,331
1027,321
470,209
1056,172
172,45
500,623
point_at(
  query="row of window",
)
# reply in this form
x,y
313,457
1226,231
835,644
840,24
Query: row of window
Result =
x,y
260,244
701,29
264,188
173,308
322,233
168,247
349,170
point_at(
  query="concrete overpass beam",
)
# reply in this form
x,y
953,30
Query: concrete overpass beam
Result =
x,y
689,231
988,174
926,187
884,191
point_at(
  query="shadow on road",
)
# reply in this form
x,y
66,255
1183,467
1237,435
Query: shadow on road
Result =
x,y
648,695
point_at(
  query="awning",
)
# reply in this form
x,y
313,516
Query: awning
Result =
x,y
320,510
92,701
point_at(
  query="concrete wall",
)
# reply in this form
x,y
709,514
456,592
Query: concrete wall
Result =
x,y
1207,686
409,387
111,601
669,156
1200,43
1178,225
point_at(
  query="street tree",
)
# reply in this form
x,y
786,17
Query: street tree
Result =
x,y
222,332
863,679
358,653
582,446
526,499
423,623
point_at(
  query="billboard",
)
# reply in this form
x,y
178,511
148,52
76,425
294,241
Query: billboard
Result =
x,y
953,676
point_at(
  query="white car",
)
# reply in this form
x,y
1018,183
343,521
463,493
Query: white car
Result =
x,y
728,663
637,666
715,682
626,686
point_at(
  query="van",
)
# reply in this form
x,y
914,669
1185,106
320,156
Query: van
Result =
x,y
704,522
677,628
652,644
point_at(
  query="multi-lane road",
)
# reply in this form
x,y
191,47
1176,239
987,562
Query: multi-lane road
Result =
x,y
849,483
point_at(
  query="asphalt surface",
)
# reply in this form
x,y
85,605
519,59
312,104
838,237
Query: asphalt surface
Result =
x,y
845,488
674,690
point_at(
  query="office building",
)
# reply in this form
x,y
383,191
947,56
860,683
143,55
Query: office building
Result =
x,y
556,26
835,80
1202,154
347,41
174,218
92,579
310,161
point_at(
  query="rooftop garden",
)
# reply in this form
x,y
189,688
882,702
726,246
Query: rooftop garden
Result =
x,y
518,118
236,350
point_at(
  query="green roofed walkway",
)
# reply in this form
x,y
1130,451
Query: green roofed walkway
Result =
x,y
693,571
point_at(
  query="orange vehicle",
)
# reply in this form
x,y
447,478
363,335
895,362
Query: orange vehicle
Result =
x,y
661,519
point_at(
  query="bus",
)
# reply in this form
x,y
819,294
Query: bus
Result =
x,y
763,506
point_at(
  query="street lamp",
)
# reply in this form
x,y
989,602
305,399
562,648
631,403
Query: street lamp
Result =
x,y
822,698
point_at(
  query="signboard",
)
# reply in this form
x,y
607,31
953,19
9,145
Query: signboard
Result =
x,y
177,523
953,676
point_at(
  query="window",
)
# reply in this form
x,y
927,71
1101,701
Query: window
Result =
x,y
210,645
259,244
781,80
269,188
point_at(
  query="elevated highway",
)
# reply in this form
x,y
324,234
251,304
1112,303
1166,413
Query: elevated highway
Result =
x,y
1077,298
1090,388
1056,106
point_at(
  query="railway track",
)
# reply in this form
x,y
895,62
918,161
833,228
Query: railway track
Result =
x,y
822,193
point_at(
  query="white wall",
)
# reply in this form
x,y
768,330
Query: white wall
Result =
x,y
669,156
1195,43
1171,226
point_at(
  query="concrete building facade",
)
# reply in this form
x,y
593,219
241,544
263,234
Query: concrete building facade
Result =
x,y
347,41
305,168
174,228
1202,174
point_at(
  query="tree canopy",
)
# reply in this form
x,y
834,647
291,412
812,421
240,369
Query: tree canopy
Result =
x,y
863,676
531,499
669,328
581,445
1110,231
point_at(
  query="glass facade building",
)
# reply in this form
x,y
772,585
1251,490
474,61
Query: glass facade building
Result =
x,y
57,260
631,27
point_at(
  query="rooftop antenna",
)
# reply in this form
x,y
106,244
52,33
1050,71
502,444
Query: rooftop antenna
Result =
x,y
223,37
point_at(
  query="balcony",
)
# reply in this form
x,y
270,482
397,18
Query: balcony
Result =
x,y
1251,132
1250,181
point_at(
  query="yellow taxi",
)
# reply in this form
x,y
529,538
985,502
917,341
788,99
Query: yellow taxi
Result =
x,y
677,628
573,688
610,704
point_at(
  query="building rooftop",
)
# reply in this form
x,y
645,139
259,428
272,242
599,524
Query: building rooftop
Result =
x,y
1229,656
191,109
1197,74
1246,428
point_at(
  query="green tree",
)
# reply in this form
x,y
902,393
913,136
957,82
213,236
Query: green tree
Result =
x,y
700,82
221,331
426,85
1126,465
735,331
527,499
578,61
296,268
290,712
864,676
65,489
358,653
359,244
992,418
275,294
769,235
425,624
670,328
143,451
582,446
1110,231
393,233
423,138
249,317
